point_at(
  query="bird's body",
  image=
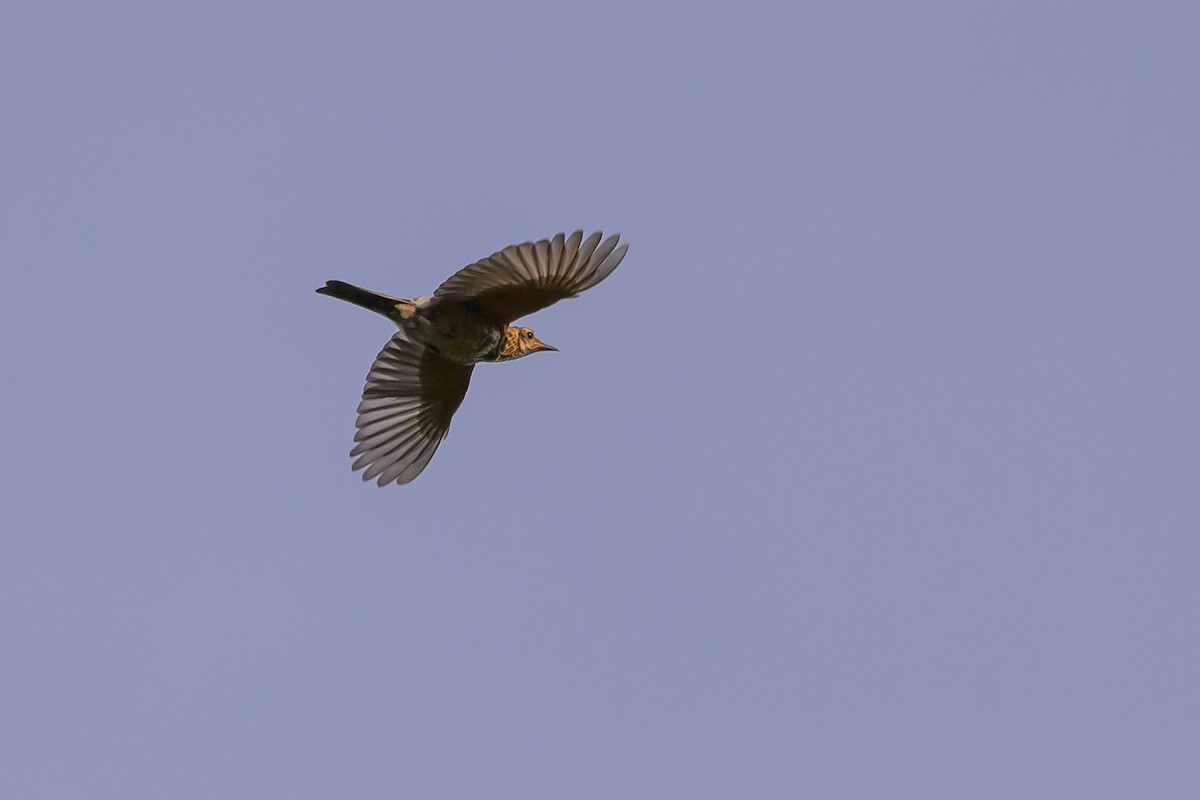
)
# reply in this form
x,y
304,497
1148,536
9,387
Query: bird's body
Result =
x,y
450,330
420,378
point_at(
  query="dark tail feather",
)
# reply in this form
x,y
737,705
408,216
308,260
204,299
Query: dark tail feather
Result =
x,y
379,303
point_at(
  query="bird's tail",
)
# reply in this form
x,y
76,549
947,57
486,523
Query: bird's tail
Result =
x,y
373,301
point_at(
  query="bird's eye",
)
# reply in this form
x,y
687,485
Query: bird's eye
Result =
x,y
528,334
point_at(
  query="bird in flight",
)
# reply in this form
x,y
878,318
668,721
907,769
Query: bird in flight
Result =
x,y
420,377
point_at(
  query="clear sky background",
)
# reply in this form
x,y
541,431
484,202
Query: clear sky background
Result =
x,y
871,472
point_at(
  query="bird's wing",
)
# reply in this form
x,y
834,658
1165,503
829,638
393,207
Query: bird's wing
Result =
x,y
523,278
410,396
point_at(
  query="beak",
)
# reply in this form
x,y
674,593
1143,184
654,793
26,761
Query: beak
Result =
x,y
544,346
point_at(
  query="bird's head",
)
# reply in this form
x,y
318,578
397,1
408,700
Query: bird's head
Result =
x,y
520,342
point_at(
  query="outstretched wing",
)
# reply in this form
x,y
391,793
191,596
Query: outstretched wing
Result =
x,y
410,396
524,278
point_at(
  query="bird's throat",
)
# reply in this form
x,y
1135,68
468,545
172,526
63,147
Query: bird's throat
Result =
x,y
509,346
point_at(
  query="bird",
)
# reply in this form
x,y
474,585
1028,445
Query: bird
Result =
x,y
420,377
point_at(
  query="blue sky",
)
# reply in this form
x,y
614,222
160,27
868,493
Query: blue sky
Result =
x,y
871,472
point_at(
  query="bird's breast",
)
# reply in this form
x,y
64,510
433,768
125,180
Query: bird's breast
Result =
x,y
455,333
